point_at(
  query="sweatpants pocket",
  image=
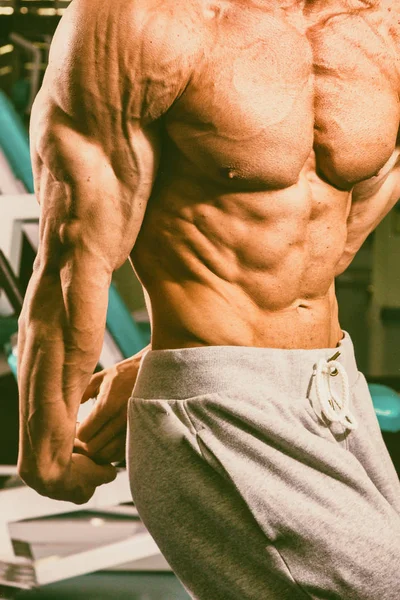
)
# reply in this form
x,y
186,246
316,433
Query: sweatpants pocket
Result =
x,y
190,506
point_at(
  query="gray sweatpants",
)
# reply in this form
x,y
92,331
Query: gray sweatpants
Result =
x,y
262,474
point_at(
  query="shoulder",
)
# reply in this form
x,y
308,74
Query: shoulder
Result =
x,y
125,52
124,19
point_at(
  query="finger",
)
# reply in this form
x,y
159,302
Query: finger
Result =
x,y
92,473
82,479
80,448
99,416
77,496
94,386
108,474
103,412
108,432
114,451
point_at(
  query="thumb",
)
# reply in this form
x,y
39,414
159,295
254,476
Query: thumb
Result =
x,y
95,473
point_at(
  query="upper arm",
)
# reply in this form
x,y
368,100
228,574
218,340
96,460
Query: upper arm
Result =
x,y
371,201
95,127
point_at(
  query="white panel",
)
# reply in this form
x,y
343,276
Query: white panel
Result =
x,y
9,184
14,210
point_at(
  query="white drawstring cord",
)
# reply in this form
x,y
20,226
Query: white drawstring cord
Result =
x,y
336,409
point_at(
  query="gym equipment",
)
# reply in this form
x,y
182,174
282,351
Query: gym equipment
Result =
x,y
12,356
112,586
67,534
9,283
387,407
384,311
18,568
9,184
15,211
14,142
8,326
20,96
36,55
126,333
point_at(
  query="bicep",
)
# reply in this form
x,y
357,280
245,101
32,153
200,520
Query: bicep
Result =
x,y
90,198
114,72
372,201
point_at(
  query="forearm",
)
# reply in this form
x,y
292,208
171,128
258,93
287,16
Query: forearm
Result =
x,y
61,335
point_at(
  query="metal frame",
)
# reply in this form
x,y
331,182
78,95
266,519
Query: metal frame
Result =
x,y
14,211
23,503
36,53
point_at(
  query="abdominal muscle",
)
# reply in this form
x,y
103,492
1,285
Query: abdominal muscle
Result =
x,y
255,268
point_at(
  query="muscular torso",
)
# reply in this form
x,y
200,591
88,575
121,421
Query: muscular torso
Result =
x,y
277,161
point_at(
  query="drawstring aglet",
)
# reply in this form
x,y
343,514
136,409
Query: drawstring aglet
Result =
x,y
335,372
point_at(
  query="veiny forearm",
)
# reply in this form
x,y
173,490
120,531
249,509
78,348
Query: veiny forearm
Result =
x,y
61,334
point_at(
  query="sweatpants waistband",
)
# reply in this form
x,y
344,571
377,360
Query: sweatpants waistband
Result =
x,y
189,372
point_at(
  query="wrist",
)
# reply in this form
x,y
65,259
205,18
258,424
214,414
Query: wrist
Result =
x,y
41,472
42,478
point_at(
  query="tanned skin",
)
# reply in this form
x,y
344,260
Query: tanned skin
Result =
x,y
238,151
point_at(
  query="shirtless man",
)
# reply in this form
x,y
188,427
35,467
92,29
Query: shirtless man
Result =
x,y
240,152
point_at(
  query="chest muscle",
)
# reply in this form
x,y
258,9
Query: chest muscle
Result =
x,y
265,94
